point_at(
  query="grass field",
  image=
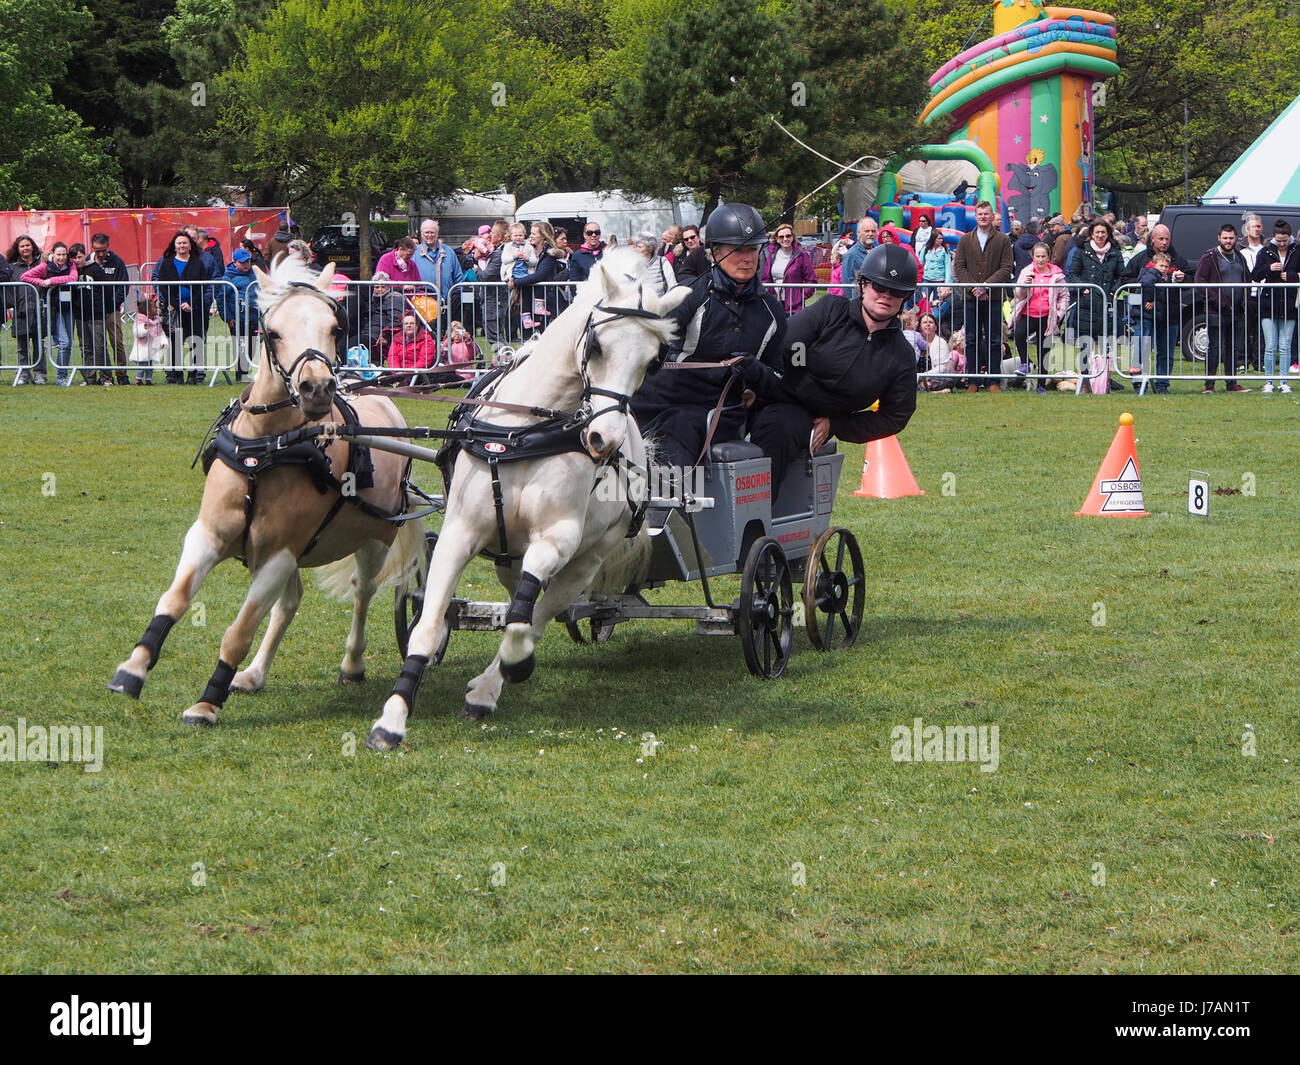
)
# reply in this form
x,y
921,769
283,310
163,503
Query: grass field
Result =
x,y
1128,665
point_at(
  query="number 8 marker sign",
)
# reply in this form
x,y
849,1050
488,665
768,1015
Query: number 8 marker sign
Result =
x,y
1198,494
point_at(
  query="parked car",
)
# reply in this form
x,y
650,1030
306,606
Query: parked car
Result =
x,y
341,245
1193,229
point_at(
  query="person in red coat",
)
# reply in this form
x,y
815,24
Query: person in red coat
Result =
x,y
787,265
413,348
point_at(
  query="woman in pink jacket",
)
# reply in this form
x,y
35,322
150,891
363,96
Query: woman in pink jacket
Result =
x,y
790,266
52,275
1041,300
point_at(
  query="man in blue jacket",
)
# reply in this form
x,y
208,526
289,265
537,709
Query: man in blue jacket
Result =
x,y
438,264
238,309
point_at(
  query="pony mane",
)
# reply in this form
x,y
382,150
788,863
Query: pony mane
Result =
x,y
623,271
286,270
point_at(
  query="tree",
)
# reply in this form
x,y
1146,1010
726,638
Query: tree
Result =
x,y
48,158
698,113
545,79
120,69
203,39
357,98
865,81
1235,63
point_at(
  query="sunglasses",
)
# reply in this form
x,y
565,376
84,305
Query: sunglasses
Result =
x,y
888,291
591,232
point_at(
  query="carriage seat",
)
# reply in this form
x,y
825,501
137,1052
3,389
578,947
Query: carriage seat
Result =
x,y
734,451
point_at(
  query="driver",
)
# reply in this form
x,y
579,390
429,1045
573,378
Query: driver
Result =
x,y
726,313
841,357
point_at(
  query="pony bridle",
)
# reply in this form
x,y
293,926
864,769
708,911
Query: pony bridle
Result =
x,y
308,354
591,346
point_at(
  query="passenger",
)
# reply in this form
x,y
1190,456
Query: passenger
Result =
x,y
726,313
841,357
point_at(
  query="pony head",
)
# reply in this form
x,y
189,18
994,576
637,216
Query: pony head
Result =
x,y
301,325
627,336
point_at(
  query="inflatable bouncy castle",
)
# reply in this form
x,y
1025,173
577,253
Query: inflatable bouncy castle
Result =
x,y
1019,106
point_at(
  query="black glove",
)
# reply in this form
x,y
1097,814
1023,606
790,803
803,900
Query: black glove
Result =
x,y
758,377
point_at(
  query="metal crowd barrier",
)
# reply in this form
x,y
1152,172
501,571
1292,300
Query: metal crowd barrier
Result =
x,y
1222,332
1193,333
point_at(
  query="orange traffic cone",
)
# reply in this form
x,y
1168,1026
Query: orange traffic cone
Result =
x,y
1117,490
885,472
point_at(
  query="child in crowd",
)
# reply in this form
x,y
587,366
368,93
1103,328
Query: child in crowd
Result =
x,y
917,341
1163,317
151,346
459,349
518,257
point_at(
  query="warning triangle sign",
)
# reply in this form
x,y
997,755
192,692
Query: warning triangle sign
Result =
x,y
1123,495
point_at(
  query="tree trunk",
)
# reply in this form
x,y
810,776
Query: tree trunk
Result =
x,y
363,235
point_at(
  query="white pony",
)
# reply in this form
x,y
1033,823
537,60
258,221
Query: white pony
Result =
x,y
557,530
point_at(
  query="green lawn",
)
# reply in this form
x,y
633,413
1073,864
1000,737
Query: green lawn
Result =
x,y
1123,831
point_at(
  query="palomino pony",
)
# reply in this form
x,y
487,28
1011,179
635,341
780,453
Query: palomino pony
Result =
x,y
282,503
550,528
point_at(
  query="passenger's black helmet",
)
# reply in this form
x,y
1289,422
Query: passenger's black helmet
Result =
x,y
890,266
735,223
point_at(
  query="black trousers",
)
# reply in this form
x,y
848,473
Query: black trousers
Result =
x,y
678,431
1226,340
983,325
782,431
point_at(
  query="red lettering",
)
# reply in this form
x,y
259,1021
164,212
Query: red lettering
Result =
x,y
753,480
802,534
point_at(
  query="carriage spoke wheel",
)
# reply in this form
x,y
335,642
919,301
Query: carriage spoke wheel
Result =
x,y
834,590
598,631
765,613
409,602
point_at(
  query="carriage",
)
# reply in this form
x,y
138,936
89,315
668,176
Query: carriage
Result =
x,y
733,525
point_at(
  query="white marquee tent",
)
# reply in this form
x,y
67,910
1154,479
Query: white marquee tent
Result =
x,y
1269,170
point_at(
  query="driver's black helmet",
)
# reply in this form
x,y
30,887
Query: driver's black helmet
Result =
x,y
737,224
890,266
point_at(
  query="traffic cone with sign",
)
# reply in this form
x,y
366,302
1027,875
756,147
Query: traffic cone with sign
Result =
x,y
1117,490
885,472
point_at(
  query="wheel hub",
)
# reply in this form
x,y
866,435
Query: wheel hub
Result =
x,y
832,592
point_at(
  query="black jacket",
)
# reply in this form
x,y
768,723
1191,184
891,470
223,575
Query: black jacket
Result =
x,y
1023,251
113,270
1087,268
1220,300
695,263
835,368
716,320
1277,303
1133,270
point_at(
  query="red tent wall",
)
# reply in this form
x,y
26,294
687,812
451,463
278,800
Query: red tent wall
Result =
x,y
140,234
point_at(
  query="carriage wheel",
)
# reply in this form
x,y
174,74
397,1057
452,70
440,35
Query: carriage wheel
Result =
x,y
409,602
597,631
832,594
764,619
